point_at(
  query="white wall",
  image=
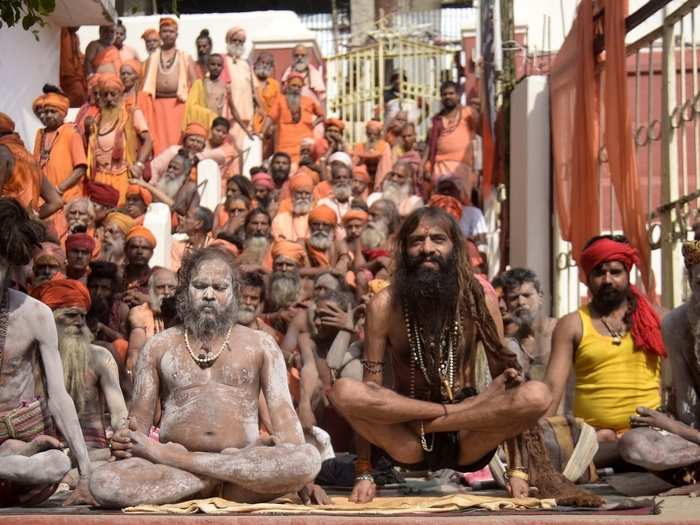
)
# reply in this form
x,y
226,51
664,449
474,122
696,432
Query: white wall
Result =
x,y
26,64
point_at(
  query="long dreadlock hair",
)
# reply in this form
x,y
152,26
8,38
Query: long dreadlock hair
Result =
x,y
471,302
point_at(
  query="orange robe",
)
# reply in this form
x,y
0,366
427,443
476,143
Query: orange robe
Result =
x,y
25,182
290,133
267,92
290,227
377,160
72,74
454,151
65,152
107,60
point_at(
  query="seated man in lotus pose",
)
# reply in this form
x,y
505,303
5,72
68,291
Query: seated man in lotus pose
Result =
x,y
209,373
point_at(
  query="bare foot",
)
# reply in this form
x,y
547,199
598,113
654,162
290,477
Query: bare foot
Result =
x,y
39,444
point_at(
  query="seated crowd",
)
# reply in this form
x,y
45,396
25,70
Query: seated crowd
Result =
x,y
334,301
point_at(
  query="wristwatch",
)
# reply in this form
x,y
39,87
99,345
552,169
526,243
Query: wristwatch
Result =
x,y
367,476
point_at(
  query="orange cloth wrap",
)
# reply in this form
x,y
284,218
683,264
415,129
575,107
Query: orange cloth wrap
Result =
x,y
145,195
301,181
63,293
141,231
355,215
323,214
448,204
290,250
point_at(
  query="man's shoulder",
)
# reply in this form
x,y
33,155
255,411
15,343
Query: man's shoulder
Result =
x,y
166,339
676,318
28,306
259,339
383,303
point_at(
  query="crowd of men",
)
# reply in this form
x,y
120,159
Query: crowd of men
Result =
x,y
335,301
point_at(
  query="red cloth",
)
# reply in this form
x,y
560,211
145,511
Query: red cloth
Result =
x,y
63,293
264,180
103,194
448,204
80,240
646,324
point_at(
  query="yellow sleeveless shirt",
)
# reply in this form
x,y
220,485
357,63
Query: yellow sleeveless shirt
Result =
x,y
612,380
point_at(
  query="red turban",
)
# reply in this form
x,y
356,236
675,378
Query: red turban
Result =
x,y
63,293
225,245
301,181
290,250
80,240
195,128
235,31
646,325
103,194
374,125
133,64
355,215
448,204
335,122
145,195
360,173
323,214
149,33
143,232
168,22
264,180
7,125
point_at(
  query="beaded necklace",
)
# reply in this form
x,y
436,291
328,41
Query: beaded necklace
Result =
x,y
205,360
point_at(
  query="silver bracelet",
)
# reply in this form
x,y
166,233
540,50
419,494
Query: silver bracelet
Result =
x,y
365,477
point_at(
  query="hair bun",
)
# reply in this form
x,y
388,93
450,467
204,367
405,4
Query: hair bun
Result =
x,y
204,33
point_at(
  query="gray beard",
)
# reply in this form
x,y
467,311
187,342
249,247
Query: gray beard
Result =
x,y
300,66
255,245
342,192
294,102
320,240
205,328
113,252
171,186
301,207
284,289
234,50
374,235
396,193
246,316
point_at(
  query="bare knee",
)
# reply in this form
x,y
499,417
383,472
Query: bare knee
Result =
x,y
534,398
55,465
637,447
349,393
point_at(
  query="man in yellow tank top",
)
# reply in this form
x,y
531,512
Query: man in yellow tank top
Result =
x,y
613,343
671,443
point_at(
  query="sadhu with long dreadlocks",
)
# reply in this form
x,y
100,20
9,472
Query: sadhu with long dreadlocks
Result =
x,y
429,322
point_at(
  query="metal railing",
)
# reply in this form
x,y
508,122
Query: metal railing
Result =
x,y
664,97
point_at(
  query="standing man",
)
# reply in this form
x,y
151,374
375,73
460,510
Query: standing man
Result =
x,y
32,463
208,98
314,86
450,139
20,176
100,55
126,52
239,76
58,147
168,75
204,46
267,89
71,71
375,153
120,142
151,40
429,321
614,345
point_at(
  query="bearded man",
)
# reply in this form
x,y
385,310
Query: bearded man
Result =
x,y
58,147
192,144
20,176
119,143
223,456
32,463
239,77
295,117
151,40
398,187
264,186
314,86
267,89
89,371
280,167
126,52
669,443
149,318
116,227
79,249
100,55
354,223
168,74
175,188
204,46
532,342
107,315
360,182
294,225
48,263
341,197
257,237
324,251
375,153
614,345
429,321
140,243
252,299
104,199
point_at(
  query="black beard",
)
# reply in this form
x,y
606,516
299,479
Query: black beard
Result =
x,y
429,295
607,299
279,177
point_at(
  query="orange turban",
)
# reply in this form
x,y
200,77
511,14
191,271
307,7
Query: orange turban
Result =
x,y
355,215
52,100
360,173
301,181
168,22
80,240
93,81
290,250
110,81
235,31
448,204
149,33
133,64
335,122
323,214
121,220
144,233
225,245
374,125
195,128
7,125
63,293
145,195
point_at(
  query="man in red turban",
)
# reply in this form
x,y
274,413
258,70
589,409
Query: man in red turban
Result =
x,y
79,247
104,198
613,343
